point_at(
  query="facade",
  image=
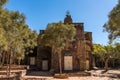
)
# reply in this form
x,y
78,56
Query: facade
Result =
x,y
76,57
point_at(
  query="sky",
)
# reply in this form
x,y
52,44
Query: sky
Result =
x,y
93,13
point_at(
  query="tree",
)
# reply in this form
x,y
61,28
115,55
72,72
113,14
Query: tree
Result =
x,y
3,2
117,50
15,35
113,24
104,53
3,46
97,51
110,51
56,36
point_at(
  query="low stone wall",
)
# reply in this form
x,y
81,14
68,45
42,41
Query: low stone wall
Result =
x,y
14,67
15,75
10,78
22,72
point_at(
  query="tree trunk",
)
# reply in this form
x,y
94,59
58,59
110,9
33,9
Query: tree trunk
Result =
x,y
7,57
0,58
3,58
106,64
52,58
13,58
19,61
113,63
60,64
9,64
102,64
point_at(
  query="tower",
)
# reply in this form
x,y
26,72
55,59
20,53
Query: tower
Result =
x,y
68,18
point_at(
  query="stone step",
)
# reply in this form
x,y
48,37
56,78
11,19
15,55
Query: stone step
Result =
x,y
39,73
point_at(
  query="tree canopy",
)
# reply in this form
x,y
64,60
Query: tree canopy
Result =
x,y
113,24
3,2
56,36
106,53
15,35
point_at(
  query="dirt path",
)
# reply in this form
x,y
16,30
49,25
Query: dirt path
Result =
x,y
70,78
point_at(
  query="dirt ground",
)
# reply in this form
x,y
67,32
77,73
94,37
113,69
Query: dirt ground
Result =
x,y
95,75
70,78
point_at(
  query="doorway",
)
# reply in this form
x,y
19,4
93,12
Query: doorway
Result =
x,y
68,63
32,60
45,65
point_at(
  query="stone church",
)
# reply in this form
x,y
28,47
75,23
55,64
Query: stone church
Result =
x,y
76,58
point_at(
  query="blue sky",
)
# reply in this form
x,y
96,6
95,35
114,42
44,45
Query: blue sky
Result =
x,y
93,13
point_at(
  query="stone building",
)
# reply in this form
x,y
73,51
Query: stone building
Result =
x,y
77,57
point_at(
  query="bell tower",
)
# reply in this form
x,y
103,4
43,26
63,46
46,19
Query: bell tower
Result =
x,y
68,18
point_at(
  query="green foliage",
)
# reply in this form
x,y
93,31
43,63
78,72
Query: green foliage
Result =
x,y
109,52
113,28
98,49
15,35
113,24
104,52
3,41
2,2
117,50
56,36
